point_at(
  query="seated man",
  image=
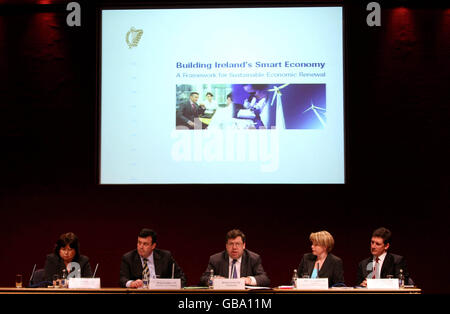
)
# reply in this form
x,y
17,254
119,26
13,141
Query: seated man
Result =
x,y
188,113
158,263
381,264
236,262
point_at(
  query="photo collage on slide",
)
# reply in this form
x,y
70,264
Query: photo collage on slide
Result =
x,y
251,106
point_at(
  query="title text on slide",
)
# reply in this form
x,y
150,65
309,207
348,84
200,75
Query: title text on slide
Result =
x,y
246,64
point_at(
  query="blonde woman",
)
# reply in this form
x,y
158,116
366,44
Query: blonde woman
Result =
x,y
321,263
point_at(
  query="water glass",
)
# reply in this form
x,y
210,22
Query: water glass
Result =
x,y
18,281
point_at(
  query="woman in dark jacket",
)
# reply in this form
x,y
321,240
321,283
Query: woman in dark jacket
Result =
x,y
321,263
66,254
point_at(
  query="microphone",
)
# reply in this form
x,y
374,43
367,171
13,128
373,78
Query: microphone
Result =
x,y
371,269
32,274
95,271
369,266
173,269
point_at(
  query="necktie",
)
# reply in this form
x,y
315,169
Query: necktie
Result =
x,y
233,270
375,268
145,271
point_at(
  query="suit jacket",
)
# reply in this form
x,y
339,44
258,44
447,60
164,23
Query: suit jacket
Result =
x,y
391,266
186,113
131,267
55,265
332,268
250,266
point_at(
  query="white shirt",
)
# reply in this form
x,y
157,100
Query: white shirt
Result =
x,y
380,264
210,105
238,270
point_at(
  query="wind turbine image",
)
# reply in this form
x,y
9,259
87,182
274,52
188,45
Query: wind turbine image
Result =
x,y
279,110
314,109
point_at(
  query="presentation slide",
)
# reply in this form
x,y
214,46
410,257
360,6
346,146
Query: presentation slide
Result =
x,y
222,96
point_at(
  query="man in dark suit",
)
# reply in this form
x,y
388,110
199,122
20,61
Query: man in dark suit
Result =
x,y
381,264
158,263
189,112
237,262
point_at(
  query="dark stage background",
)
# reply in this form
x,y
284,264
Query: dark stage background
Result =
x,y
397,138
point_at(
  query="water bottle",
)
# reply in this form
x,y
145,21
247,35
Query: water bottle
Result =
x,y
401,279
64,283
294,278
211,279
146,280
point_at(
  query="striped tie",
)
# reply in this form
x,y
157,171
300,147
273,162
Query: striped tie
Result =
x,y
145,271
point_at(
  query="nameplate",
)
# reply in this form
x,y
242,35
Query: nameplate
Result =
x,y
84,283
312,283
382,283
229,284
165,284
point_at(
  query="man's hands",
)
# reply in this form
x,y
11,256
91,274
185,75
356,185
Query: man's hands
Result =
x,y
137,284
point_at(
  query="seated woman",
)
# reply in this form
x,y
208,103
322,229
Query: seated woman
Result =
x,y
67,250
321,263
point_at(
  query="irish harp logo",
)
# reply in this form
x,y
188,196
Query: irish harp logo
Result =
x,y
133,36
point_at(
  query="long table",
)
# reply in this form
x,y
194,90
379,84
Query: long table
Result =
x,y
195,291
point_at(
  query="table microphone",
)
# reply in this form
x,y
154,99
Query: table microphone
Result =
x,y
95,271
32,273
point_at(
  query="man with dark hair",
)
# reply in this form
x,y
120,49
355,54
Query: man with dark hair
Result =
x,y
190,111
144,233
383,233
237,262
381,264
158,263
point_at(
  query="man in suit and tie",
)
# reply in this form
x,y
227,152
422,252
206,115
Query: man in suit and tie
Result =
x,y
147,259
237,262
381,264
189,112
